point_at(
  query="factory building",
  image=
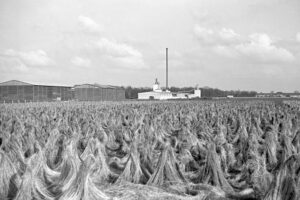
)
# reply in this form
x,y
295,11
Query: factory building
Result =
x,y
96,92
159,94
18,91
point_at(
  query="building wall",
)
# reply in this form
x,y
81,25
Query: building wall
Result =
x,y
31,93
99,94
155,95
197,94
168,95
120,93
182,96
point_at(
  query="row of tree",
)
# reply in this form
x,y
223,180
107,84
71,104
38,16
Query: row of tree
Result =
x,y
206,92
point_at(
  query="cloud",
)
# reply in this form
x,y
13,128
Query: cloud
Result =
x,y
89,25
298,37
108,52
120,54
27,66
229,36
257,47
225,51
205,35
116,49
12,65
81,62
261,47
210,37
129,62
31,58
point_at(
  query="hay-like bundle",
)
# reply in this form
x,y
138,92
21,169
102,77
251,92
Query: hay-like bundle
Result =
x,y
271,148
82,186
69,168
260,178
167,170
296,141
8,177
230,158
213,172
240,143
89,149
287,147
54,149
278,191
103,173
32,185
132,172
284,185
51,178
17,158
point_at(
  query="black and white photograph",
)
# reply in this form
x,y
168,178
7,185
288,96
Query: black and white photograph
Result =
x,y
149,99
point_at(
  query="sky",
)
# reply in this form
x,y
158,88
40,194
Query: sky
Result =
x,y
231,45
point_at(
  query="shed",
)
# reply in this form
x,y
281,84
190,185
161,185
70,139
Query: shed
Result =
x,y
97,92
18,91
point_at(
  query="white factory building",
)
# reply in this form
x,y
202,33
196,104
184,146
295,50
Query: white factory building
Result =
x,y
159,94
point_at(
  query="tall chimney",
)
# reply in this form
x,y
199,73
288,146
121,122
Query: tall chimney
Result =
x,y
166,68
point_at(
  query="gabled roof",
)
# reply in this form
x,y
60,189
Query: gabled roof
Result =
x,y
13,82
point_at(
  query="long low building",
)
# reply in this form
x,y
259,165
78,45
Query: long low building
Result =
x,y
159,94
18,91
96,92
165,95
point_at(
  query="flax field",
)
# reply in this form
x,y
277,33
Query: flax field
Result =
x,y
190,150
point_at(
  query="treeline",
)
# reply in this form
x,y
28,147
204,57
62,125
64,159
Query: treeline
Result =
x,y
132,92
211,92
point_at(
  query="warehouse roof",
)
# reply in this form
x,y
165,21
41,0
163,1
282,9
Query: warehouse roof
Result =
x,y
13,82
21,83
95,86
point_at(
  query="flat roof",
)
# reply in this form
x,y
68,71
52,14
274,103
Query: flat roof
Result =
x,y
87,85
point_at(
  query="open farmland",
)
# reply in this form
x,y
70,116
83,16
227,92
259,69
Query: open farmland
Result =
x,y
150,150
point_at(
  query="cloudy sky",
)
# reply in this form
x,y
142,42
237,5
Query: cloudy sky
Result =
x,y
232,44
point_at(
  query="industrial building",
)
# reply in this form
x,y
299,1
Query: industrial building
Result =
x,y
159,94
96,92
18,91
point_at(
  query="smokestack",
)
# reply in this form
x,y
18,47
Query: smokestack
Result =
x,y
166,68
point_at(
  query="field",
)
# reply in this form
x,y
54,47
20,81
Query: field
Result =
x,y
204,150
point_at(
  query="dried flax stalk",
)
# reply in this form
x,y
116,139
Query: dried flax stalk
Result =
x,y
167,170
213,170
